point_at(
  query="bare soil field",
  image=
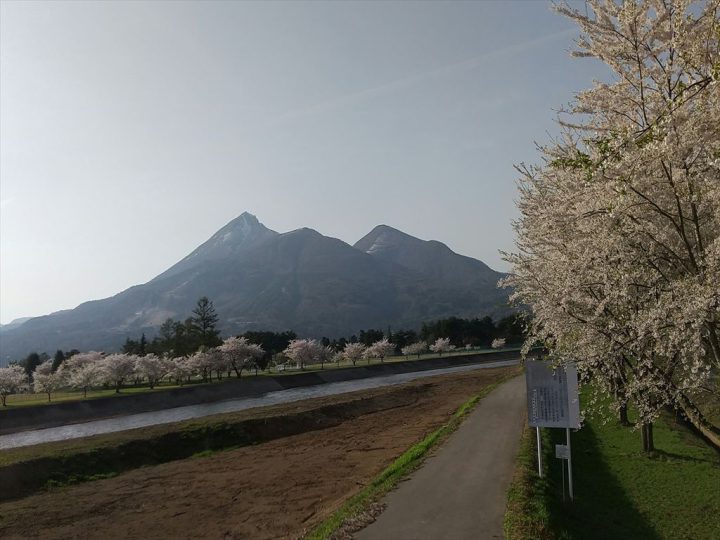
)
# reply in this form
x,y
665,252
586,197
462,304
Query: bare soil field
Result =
x,y
276,489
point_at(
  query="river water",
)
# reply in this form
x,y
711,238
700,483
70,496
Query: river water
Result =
x,y
166,416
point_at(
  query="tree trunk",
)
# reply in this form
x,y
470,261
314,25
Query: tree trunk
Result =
x,y
4,400
646,433
696,418
624,415
48,397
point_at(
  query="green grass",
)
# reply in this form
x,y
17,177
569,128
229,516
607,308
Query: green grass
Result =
x,y
399,469
27,400
620,491
528,514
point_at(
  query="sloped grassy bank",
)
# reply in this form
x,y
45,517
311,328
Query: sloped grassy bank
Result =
x,y
26,471
620,492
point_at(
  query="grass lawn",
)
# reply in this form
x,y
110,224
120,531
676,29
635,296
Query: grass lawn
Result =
x,y
29,399
620,492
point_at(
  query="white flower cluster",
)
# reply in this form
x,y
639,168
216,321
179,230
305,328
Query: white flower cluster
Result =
x,y
619,235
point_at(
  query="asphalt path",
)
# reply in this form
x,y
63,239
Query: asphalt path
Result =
x,y
177,414
460,492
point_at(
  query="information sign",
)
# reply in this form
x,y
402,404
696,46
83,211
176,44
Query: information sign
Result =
x,y
552,395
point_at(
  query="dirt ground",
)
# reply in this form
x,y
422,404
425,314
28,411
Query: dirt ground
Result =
x,y
277,489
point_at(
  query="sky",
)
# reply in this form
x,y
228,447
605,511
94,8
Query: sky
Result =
x,y
131,131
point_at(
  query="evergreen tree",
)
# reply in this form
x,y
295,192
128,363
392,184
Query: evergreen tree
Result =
x,y
30,363
203,323
142,345
58,360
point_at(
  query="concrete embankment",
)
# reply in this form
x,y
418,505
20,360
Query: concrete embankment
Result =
x,y
45,416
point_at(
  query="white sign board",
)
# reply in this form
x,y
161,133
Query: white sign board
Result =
x,y
562,451
552,395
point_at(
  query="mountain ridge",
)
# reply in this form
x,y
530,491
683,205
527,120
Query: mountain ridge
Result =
x,y
302,280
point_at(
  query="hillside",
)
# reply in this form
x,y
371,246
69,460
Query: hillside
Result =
x,y
262,279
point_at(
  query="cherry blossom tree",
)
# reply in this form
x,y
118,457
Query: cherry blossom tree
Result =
x,y
12,380
380,349
181,369
353,352
83,375
325,354
45,380
152,368
619,235
218,362
241,354
442,345
415,348
81,359
303,352
117,368
498,343
337,357
202,364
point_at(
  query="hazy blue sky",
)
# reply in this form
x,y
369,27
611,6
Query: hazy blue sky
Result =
x,y
130,132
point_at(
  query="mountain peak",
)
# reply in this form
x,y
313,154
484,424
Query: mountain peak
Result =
x,y
240,228
240,234
384,237
427,257
247,217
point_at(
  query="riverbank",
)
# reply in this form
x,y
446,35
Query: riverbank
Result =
x,y
52,415
236,493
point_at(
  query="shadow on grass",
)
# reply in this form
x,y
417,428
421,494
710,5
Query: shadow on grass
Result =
x,y
669,456
601,508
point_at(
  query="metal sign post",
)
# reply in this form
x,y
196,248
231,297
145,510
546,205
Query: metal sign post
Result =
x,y
569,463
552,398
539,449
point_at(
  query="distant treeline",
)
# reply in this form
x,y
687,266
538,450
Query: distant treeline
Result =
x,y
178,339
199,331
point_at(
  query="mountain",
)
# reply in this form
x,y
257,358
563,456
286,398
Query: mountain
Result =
x,y
430,258
14,323
300,280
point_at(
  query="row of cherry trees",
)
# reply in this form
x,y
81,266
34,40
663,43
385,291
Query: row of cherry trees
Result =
x,y
235,355
93,369
302,352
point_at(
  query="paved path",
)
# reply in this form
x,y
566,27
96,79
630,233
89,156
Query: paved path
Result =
x,y
460,492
